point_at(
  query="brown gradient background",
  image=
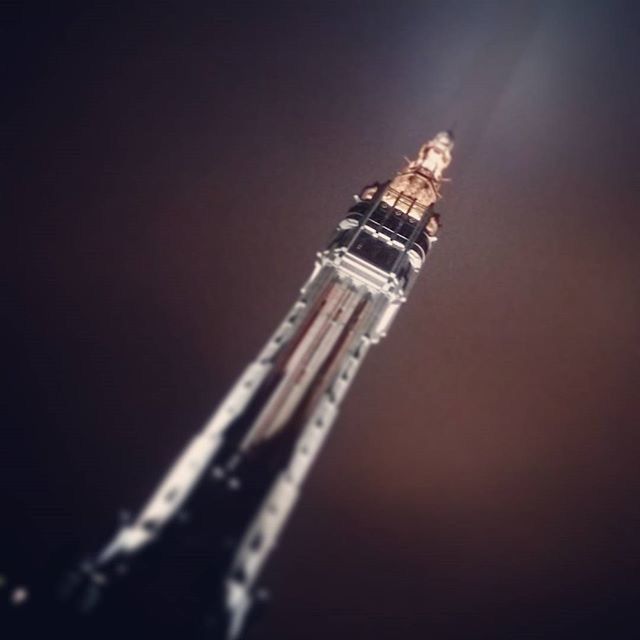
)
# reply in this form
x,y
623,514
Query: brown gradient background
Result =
x,y
169,172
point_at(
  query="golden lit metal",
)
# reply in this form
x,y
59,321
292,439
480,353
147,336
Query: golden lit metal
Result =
x,y
417,186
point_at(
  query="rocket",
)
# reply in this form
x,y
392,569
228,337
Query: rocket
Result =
x,y
189,562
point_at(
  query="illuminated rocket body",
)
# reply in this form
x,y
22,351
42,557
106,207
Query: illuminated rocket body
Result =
x,y
218,513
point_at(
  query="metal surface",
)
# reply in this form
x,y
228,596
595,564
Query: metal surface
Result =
x,y
219,511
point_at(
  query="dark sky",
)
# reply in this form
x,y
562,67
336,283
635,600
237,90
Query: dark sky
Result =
x,y
169,171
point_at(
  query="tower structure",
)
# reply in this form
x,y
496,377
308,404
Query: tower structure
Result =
x,y
213,520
